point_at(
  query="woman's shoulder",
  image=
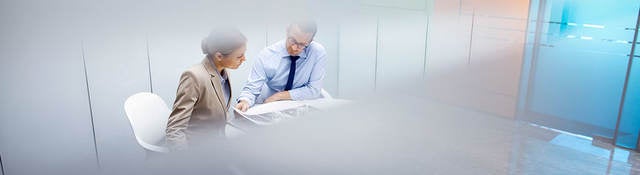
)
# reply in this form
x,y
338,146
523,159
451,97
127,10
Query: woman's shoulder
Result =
x,y
197,71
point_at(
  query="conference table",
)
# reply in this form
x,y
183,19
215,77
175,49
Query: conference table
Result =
x,y
261,115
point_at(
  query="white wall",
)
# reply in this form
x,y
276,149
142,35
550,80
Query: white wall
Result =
x,y
370,45
401,48
115,47
382,47
357,50
45,123
122,42
475,53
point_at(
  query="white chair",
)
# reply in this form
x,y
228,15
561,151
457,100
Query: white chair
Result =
x,y
148,115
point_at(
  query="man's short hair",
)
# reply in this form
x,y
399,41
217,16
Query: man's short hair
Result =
x,y
306,25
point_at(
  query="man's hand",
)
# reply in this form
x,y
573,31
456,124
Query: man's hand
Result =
x,y
284,95
242,106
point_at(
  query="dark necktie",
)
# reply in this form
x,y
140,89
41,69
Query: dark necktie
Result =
x,y
292,72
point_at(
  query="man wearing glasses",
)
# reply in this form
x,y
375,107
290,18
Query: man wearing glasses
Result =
x,y
291,69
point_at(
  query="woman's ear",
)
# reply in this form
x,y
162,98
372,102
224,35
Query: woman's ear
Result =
x,y
218,56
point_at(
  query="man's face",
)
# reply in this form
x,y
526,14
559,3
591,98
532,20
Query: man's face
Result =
x,y
297,40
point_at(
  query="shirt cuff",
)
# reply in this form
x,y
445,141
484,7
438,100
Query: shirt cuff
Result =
x,y
251,102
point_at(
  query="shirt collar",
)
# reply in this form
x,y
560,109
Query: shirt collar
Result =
x,y
224,75
214,69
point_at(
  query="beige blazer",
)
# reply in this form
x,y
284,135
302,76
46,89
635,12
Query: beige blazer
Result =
x,y
200,110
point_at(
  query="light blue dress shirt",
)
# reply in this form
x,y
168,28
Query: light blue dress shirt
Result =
x,y
271,70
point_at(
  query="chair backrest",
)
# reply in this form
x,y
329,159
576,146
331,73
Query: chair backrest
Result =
x,y
148,115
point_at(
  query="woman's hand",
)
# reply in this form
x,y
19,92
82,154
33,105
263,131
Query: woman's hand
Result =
x,y
242,106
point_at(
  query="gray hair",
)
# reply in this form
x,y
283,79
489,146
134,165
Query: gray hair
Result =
x,y
223,40
306,25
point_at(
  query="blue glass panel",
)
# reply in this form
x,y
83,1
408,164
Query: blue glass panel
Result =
x,y
630,121
580,67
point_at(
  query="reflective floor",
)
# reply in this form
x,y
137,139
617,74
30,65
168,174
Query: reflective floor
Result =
x,y
402,135
542,150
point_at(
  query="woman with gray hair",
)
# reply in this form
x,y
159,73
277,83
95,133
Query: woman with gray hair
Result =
x,y
204,92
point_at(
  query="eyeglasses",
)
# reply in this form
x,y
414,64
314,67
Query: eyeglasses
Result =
x,y
299,44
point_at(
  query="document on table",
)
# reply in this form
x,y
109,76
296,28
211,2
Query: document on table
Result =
x,y
267,114
255,118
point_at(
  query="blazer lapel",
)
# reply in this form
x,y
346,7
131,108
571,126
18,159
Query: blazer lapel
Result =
x,y
230,92
217,86
215,80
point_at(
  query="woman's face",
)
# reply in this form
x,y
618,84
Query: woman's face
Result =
x,y
235,59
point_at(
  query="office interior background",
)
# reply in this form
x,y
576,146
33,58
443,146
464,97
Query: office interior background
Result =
x,y
67,66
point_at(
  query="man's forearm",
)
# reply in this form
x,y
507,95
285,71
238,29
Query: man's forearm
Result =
x,y
305,93
284,95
